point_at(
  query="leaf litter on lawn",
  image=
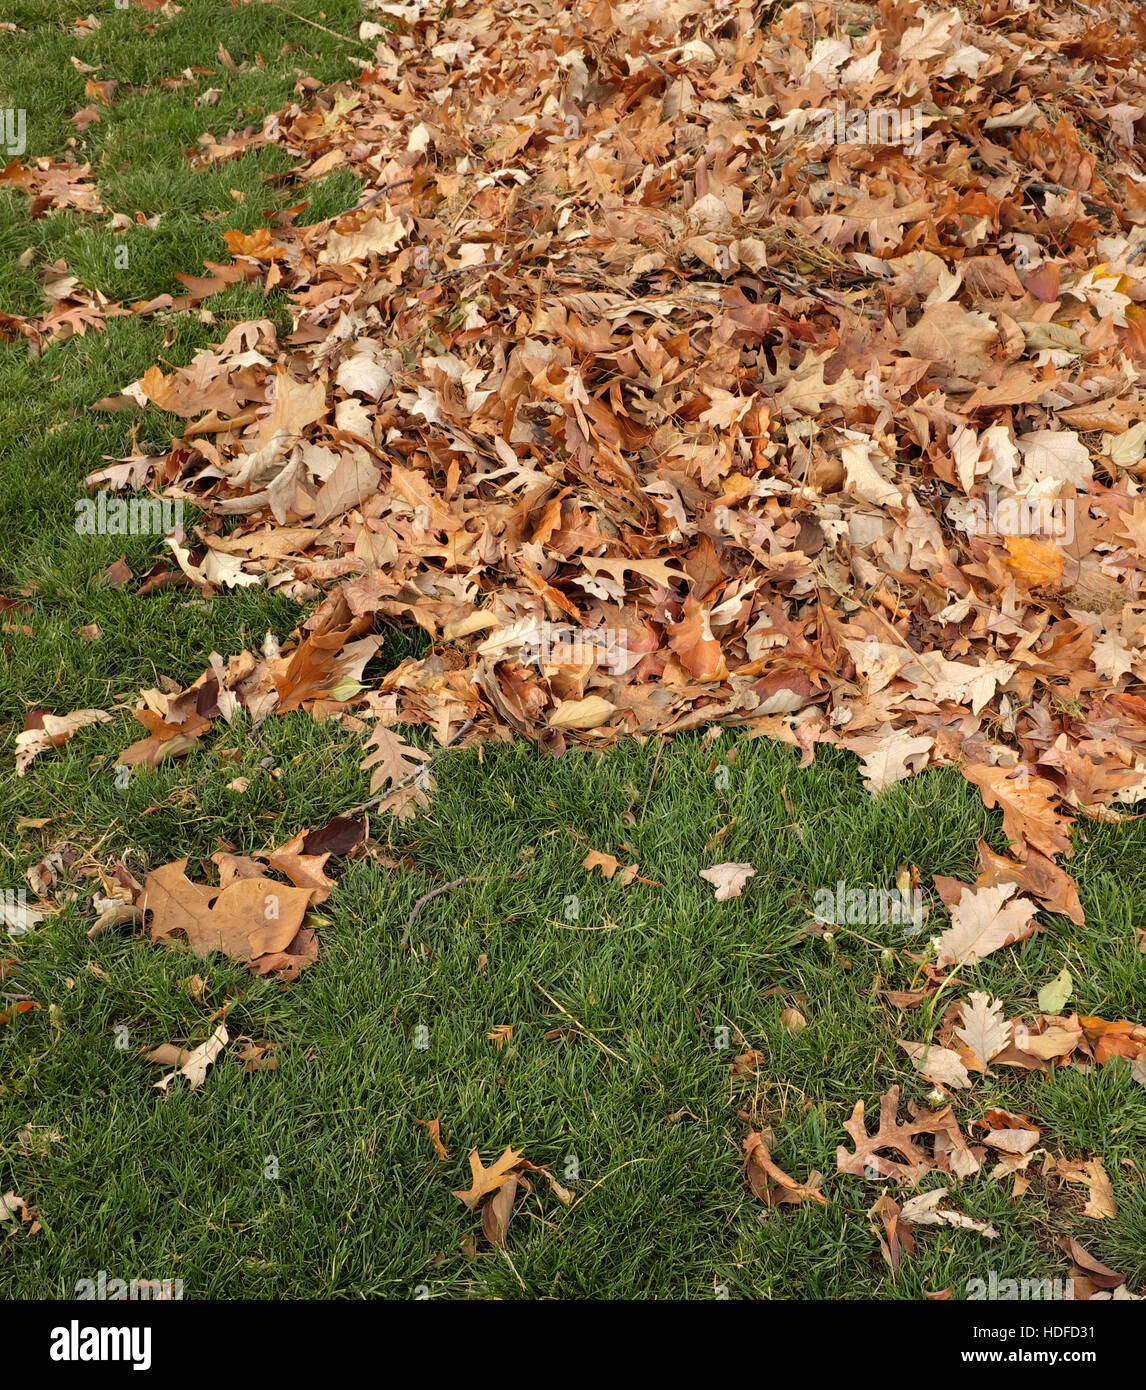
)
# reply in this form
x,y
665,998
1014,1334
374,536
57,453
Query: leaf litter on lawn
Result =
x,y
659,402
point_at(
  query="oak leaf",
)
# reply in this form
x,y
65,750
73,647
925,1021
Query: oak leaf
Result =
x,y
982,921
491,1178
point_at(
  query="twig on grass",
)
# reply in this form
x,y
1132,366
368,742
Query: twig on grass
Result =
x,y
592,1036
303,19
425,898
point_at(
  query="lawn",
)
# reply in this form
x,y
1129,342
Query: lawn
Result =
x,y
629,1004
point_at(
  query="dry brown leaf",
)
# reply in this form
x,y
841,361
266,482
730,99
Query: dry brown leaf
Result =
x,y
983,921
256,920
488,1179
50,731
728,880
194,1064
985,1032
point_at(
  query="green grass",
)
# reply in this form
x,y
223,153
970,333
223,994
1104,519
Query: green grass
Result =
x,y
640,1101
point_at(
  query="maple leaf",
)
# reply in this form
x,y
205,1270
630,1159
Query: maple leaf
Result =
x,y
949,334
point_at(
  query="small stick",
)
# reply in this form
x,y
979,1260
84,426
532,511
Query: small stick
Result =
x,y
512,1266
302,19
425,898
578,1022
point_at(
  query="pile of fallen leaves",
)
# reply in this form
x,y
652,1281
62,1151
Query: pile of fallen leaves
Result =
x,y
618,342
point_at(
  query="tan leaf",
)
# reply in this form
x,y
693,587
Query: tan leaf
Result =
x,y
771,1184
488,1179
607,863
985,1031
728,879
435,1131
195,1063
938,1064
692,641
251,920
589,713
497,1212
983,921
1027,802
52,732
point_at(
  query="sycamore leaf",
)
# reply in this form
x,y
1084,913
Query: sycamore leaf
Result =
x,y
256,920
